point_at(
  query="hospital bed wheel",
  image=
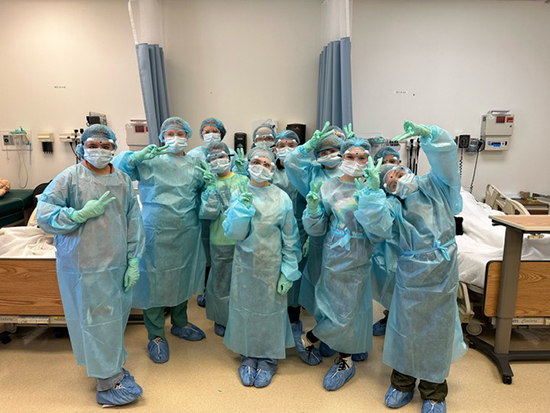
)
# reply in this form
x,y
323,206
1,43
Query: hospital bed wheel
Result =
x,y
506,379
6,339
474,329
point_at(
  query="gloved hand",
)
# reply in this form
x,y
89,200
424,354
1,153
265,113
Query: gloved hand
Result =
x,y
131,276
209,178
349,132
245,197
313,199
317,137
413,129
92,209
240,162
372,174
305,248
150,152
359,184
283,285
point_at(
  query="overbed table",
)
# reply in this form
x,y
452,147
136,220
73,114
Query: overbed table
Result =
x,y
516,226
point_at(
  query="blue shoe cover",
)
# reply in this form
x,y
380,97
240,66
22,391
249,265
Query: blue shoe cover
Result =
x,y
430,406
263,378
379,329
248,375
191,333
219,329
325,350
123,393
309,355
360,356
338,375
396,399
297,327
201,300
158,350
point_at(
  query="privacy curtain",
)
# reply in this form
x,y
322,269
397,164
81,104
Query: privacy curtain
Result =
x,y
334,102
147,26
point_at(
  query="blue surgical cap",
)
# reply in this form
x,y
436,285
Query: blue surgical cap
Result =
x,y
216,147
330,142
386,150
174,123
287,134
213,122
97,131
355,143
255,134
257,152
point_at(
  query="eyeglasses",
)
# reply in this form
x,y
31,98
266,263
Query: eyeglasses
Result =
x,y
265,163
264,138
361,158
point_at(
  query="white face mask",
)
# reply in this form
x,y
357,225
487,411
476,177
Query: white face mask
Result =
x,y
265,145
219,166
176,144
283,153
98,157
352,168
406,185
259,173
331,160
211,138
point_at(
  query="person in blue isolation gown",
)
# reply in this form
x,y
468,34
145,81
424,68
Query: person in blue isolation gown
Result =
x,y
93,212
423,334
220,184
170,189
261,219
343,294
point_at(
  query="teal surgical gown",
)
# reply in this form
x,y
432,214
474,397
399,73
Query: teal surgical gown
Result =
x,y
214,203
268,244
423,335
91,262
301,170
343,294
174,262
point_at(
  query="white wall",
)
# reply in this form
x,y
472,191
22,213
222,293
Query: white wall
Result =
x,y
243,60
84,46
460,59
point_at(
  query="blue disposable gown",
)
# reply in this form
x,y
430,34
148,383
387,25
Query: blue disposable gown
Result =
x,y
343,294
423,335
384,264
268,245
214,203
169,188
280,179
301,170
200,152
91,261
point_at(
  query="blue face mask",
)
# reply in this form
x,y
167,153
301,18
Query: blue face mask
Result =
x,y
259,173
331,160
406,185
98,157
219,166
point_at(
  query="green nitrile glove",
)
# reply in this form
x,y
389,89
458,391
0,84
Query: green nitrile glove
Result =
x,y
208,176
131,276
413,129
240,162
92,209
150,152
245,197
313,199
372,174
283,285
317,138
359,184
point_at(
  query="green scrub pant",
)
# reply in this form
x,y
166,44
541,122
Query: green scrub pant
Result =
x,y
154,319
428,391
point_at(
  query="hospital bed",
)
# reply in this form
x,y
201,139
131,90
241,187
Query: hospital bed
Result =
x,y
480,251
29,291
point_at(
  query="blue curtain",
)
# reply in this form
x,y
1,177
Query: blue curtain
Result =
x,y
334,93
153,87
